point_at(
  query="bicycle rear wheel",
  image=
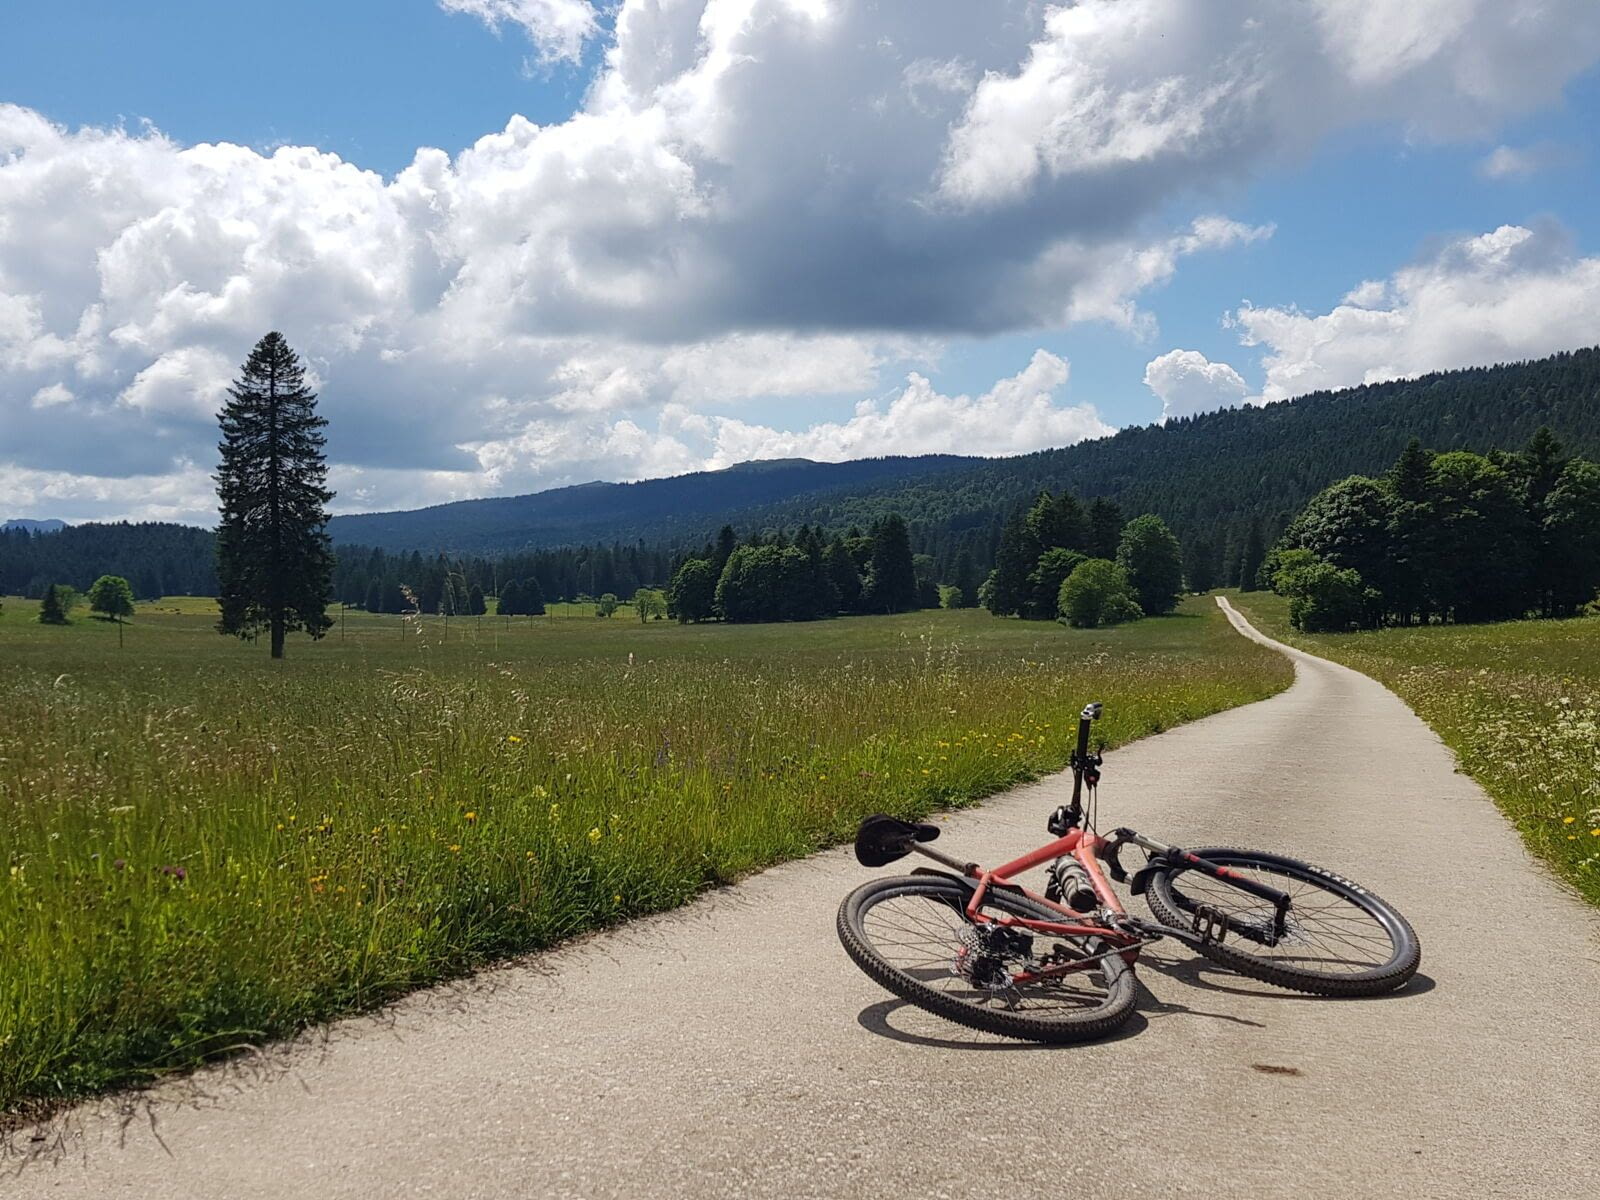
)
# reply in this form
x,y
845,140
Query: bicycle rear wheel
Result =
x,y
1341,939
912,935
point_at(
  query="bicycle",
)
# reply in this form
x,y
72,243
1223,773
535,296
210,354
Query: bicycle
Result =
x,y
971,945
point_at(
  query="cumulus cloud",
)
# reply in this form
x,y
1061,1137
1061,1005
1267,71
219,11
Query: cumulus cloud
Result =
x,y
1513,293
757,198
559,29
1016,415
1187,382
1118,99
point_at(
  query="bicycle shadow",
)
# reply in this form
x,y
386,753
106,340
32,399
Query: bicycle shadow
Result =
x,y
1198,973
1208,976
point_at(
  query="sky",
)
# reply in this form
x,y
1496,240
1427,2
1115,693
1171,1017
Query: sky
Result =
x,y
528,243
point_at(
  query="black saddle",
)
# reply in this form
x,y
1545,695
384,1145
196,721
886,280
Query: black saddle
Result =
x,y
882,839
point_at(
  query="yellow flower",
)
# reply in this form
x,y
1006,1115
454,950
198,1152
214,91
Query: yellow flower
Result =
x,y
1568,820
471,816
455,848
513,738
594,834
617,899
1594,833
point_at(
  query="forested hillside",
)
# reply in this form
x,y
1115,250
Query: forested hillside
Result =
x,y
680,509
1212,478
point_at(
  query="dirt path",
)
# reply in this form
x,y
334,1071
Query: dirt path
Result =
x,y
730,1048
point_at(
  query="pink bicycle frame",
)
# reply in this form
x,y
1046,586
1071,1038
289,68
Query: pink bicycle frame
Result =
x,y
1082,846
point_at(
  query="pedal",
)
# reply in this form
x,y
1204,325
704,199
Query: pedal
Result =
x,y
1210,924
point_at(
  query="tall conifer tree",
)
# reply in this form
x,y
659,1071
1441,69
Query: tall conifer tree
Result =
x,y
274,560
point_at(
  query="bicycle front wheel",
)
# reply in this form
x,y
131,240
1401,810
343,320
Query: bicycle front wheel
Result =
x,y
912,935
1340,939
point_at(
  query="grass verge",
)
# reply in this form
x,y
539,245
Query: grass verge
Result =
x,y
1518,702
201,848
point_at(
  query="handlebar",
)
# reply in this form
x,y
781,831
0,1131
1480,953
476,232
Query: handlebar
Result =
x,y
1090,714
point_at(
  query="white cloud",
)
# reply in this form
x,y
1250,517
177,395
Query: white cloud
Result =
x,y
1187,382
758,198
1125,98
51,395
1510,294
1519,162
1017,415
559,29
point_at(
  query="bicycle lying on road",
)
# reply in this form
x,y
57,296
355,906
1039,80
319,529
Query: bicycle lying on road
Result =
x,y
971,945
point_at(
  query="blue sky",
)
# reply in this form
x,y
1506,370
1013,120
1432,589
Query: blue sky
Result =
x,y
600,382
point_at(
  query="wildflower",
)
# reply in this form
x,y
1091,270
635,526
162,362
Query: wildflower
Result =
x,y
594,834
513,738
455,847
469,817
1568,820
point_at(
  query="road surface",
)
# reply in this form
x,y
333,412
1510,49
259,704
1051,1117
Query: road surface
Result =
x,y
730,1049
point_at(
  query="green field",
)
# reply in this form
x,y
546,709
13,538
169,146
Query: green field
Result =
x,y
203,848
1519,703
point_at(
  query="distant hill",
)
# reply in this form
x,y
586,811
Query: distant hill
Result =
x,y
1209,476
30,526
659,509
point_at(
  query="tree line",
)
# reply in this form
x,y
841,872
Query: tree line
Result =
x,y
1082,563
778,578
1448,537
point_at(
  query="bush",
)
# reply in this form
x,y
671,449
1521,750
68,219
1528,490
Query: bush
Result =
x,y
1323,598
1097,593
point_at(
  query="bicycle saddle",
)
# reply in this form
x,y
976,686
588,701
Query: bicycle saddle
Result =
x,y
882,839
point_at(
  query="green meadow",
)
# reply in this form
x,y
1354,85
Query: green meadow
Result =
x,y
1518,702
201,848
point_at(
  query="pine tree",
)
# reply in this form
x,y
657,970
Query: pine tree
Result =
x,y
966,580
1105,523
508,605
532,597
1008,591
476,606
894,574
51,610
1251,557
274,561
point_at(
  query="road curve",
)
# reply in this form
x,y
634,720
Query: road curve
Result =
x,y
731,1049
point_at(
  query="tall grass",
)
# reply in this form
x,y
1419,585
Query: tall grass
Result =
x,y
200,847
1518,702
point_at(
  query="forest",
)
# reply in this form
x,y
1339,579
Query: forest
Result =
x,y
1440,538
1227,483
